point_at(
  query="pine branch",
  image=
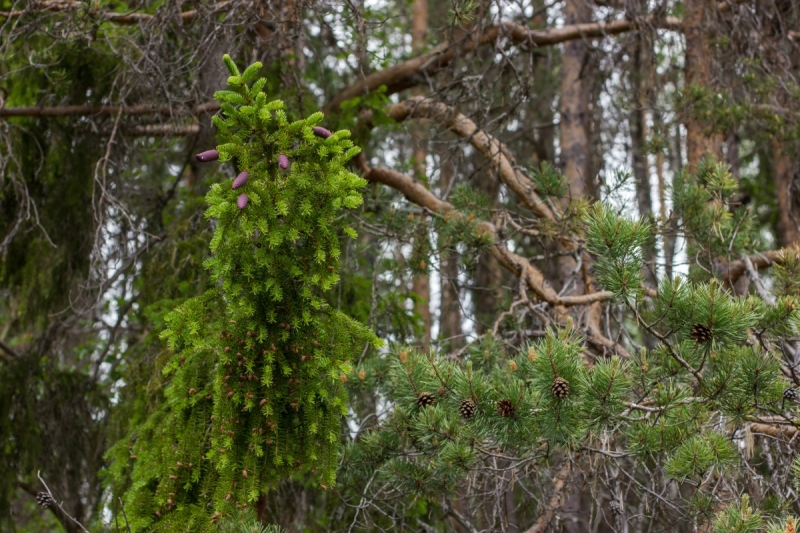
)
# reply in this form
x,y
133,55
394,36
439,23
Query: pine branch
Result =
x,y
69,523
730,272
461,519
413,71
520,266
495,151
107,16
751,271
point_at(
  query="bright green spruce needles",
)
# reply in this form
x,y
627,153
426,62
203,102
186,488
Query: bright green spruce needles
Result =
x,y
254,392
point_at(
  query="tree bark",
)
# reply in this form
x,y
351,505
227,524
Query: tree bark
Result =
x,y
640,76
421,282
573,128
783,175
574,108
450,330
696,24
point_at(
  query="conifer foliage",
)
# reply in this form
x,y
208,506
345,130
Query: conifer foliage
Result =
x,y
255,391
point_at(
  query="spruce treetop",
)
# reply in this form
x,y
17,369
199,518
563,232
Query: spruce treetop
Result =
x,y
254,390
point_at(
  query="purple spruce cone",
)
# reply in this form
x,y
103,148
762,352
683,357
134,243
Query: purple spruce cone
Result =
x,y
240,180
319,131
242,201
283,161
207,156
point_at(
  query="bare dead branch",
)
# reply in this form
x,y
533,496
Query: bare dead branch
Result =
x,y
558,497
784,433
409,73
490,147
753,273
163,130
108,16
730,272
531,276
86,110
70,524
461,519
7,352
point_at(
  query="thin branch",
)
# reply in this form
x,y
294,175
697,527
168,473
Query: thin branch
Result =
x,y
107,16
86,110
7,352
461,519
413,71
58,511
495,151
558,497
730,272
751,271
163,130
125,516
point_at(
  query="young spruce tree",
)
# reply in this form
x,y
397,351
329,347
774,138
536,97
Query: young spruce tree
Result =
x,y
255,390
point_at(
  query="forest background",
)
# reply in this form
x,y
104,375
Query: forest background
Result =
x,y
578,240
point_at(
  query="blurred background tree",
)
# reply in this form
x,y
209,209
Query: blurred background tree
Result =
x,y
550,364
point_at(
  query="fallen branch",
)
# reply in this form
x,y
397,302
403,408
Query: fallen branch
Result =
x,y
413,71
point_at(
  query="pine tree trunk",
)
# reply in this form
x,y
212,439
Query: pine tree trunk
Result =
x,y
489,274
697,20
574,110
575,158
450,330
783,176
421,282
670,236
640,73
